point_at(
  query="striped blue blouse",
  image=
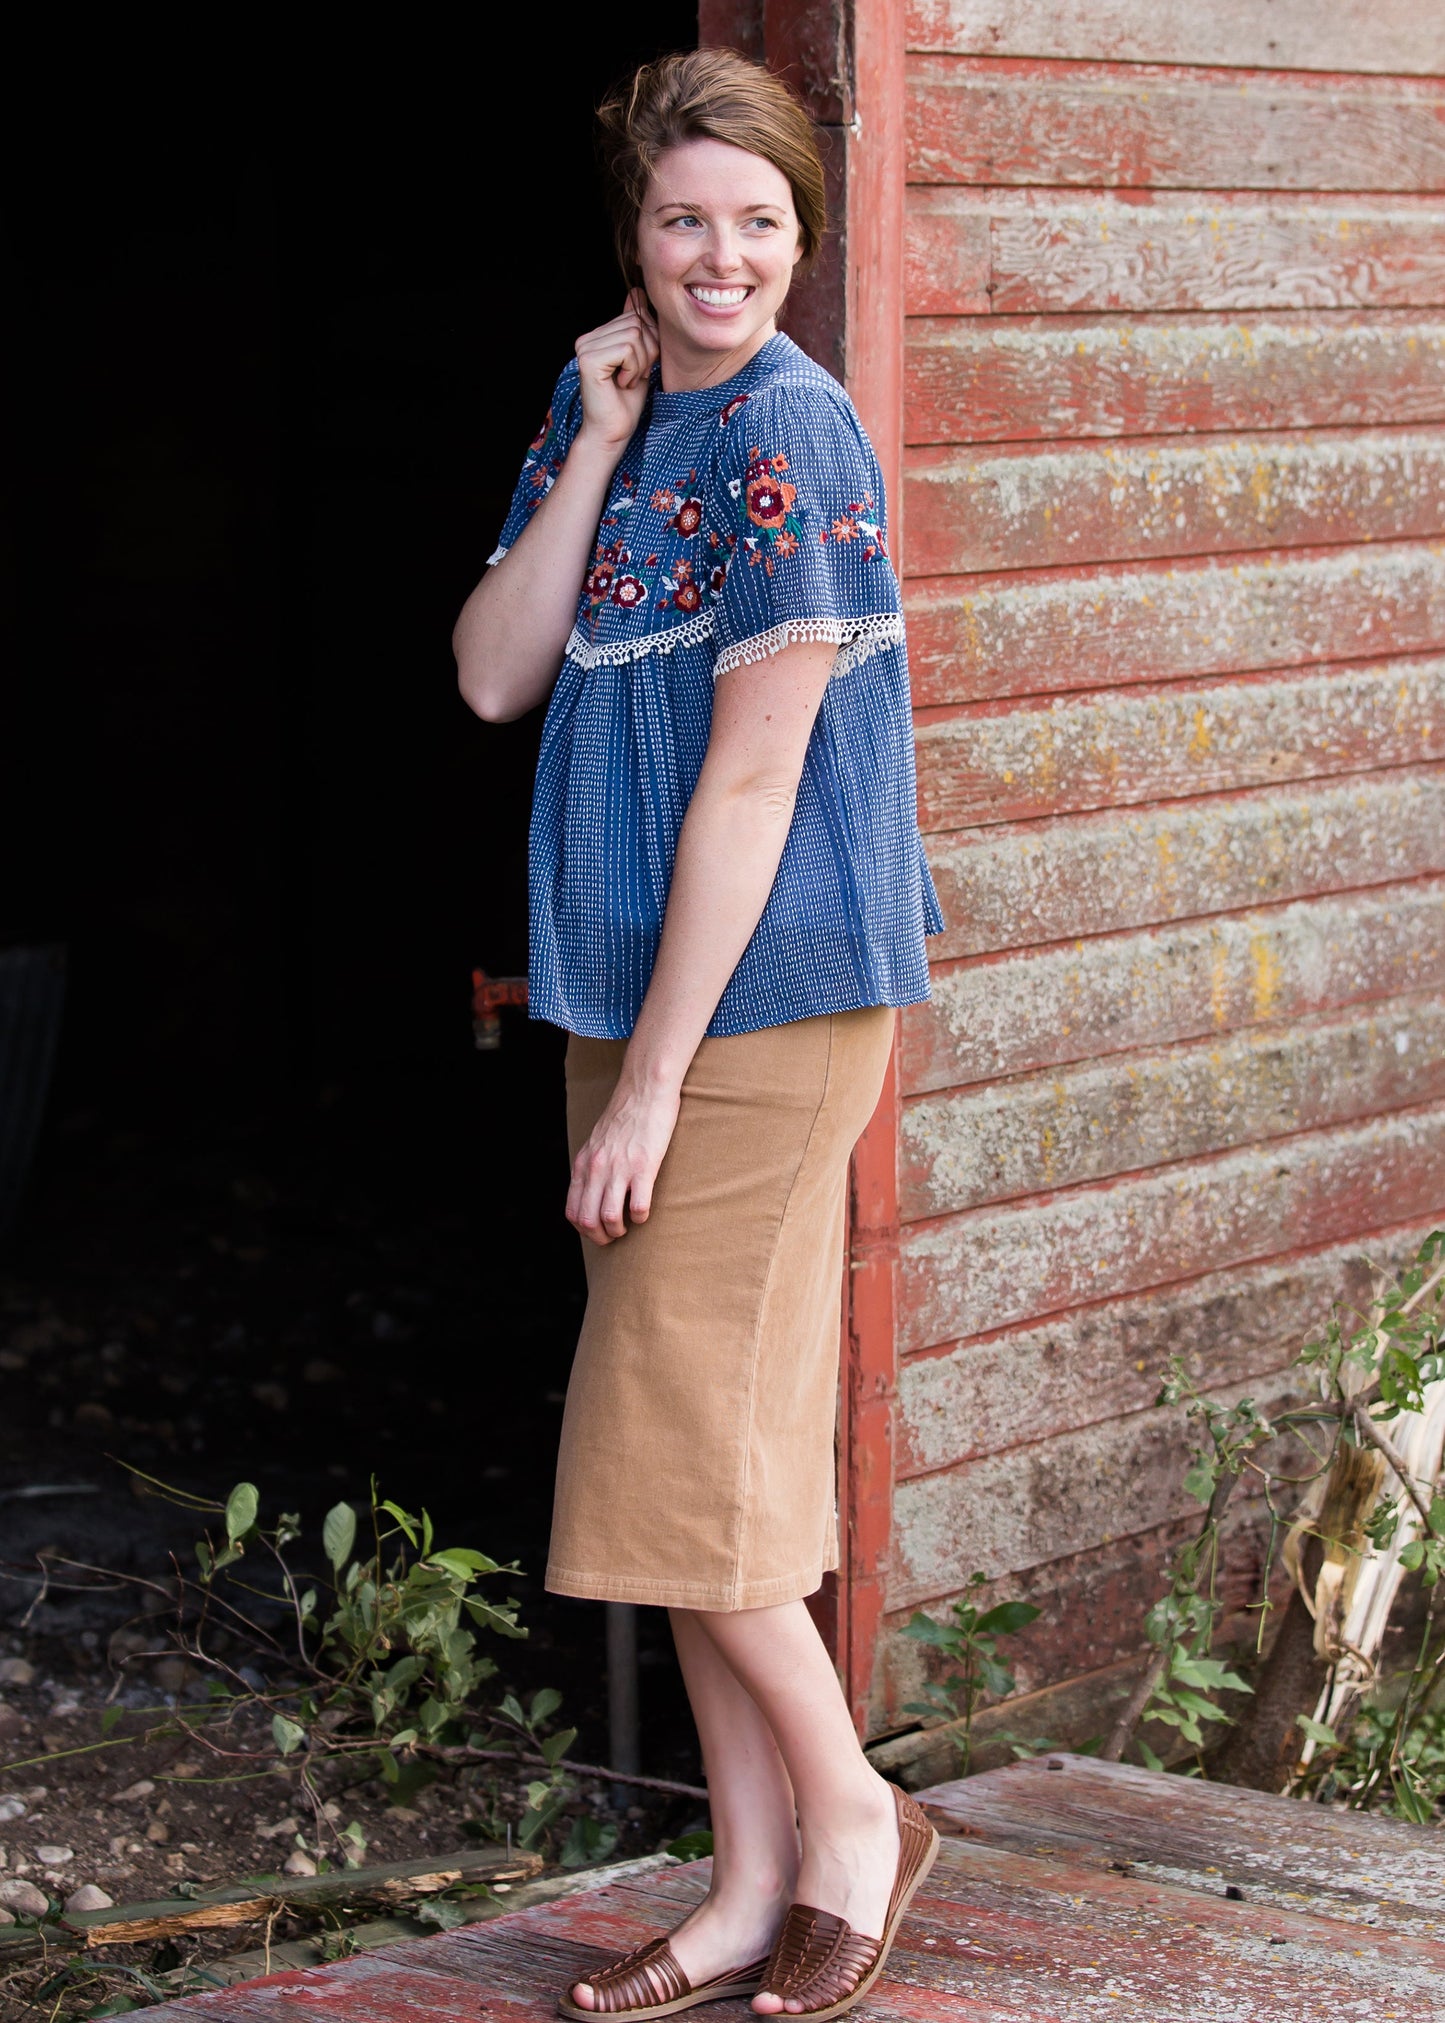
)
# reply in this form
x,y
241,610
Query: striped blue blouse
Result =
x,y
741,517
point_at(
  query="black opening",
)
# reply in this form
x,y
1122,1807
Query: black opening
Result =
x,y
283,338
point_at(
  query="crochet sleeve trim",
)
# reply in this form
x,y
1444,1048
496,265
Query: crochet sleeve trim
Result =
x,y
859,639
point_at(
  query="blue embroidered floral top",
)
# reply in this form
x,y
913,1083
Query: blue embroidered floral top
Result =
x,y
741,517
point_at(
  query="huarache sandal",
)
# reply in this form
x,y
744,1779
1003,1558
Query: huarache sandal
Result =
x,y
819,1960
649,1982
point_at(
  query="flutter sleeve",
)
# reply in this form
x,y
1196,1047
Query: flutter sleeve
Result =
x,y
545,456
797,533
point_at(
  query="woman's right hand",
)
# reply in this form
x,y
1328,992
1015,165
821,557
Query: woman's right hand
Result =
x,y
614,363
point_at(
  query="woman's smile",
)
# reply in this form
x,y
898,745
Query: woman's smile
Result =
x,y
717,298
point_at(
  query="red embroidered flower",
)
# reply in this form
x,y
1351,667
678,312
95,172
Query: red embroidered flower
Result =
x,y
687,597
768,501
599,580
628,590
689,517
739,400
718,577
543,432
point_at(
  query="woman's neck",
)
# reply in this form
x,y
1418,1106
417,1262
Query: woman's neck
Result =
x,y
685,370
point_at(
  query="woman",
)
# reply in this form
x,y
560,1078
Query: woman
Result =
x,y
728,896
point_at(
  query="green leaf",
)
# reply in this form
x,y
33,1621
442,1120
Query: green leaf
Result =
x,y
502,1620
205,1558
440,1911
588,1840
690,1846
1318,1731
241,1507
1006,1618
1151,1761
287,1735
308,1605
556,1746
1200,1480
404,1518
109,1718
924,1630
545,1702
1413,1554
456,1559
338,1533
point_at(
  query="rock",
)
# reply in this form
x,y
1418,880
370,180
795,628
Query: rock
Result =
x,y
190,1847
170,1674
90,1412
6,1917
23,1898
142,1788
53,1855
16,1672
89,1897
279,1829
157,1832
12,1721
12,1807
298,1863
64,1707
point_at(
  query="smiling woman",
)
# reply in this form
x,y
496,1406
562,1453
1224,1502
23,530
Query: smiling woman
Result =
x,y
728,898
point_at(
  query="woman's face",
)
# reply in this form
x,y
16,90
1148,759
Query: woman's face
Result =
x,y
717,242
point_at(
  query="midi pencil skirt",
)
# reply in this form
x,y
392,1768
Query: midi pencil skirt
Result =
x,y
696,1466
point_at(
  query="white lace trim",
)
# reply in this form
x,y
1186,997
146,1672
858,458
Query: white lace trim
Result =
x,y
619,652
859,638
495,557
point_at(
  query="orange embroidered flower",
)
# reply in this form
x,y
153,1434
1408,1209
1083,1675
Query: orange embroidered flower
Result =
x,y
785,543
845,530
780,464
769,500
664,502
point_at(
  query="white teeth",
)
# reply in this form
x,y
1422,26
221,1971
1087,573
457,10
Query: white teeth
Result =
x,y
720,298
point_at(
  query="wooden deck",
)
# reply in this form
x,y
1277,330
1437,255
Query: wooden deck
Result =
x,y
1066,1890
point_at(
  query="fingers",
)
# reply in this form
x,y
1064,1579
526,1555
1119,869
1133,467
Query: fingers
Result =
x,y
598,1197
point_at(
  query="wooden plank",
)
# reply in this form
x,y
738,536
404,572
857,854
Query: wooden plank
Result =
x,y
998,121
1092,1597
1026,883
1034,378
1031,632
1351,35
1071,1713
999,1141
1096,1363
1015,1014
1020,252
995,762
987,1268
1357,1867
1053,1499
1008,507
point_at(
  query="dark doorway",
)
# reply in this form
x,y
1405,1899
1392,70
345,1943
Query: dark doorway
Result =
x,y
285,329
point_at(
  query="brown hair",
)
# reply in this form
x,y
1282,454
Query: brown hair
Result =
x,y
705,94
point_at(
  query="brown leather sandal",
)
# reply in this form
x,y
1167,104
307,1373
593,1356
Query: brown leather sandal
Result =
x,y
630,1986
819,1960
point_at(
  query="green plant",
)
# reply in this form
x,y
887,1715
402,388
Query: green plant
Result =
x,y
971,1642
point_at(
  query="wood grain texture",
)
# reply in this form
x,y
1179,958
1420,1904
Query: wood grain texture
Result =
x,y
1348,35
1032,631
1022,252
1122,1113
995,762
1011,507
1091,1600
1068,1715
1309,1858
991,1267
1082,999
992,121
1021,884
1034,378
1053,1499
1100,1362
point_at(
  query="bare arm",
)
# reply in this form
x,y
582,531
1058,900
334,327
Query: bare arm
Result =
x,y
513,629
727,858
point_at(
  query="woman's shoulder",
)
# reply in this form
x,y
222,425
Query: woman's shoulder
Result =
x,y
802,399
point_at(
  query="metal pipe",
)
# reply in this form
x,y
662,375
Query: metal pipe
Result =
x,y
624,1733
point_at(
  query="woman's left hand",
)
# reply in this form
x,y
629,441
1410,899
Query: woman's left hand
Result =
x,y
614,1173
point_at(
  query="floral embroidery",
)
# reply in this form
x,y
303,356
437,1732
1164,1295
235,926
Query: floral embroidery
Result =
x,y
765,501
725,414
541,464
681,504
857,524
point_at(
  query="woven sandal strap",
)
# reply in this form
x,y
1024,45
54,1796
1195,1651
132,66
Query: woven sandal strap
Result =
x,y
647,1975
915,1838
818,1958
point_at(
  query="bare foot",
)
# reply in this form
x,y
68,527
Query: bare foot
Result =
x,y
849,1872
719,1935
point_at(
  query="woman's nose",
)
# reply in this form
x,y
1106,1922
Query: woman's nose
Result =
x,y
723,256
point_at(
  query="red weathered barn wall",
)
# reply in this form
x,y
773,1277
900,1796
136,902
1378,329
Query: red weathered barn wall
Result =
x,y
1172,516
1174,502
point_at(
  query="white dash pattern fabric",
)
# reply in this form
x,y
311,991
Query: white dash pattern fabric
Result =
x,y
741,518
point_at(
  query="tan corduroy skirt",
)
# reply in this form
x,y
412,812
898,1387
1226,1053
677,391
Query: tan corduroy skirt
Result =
x,y
696,1466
